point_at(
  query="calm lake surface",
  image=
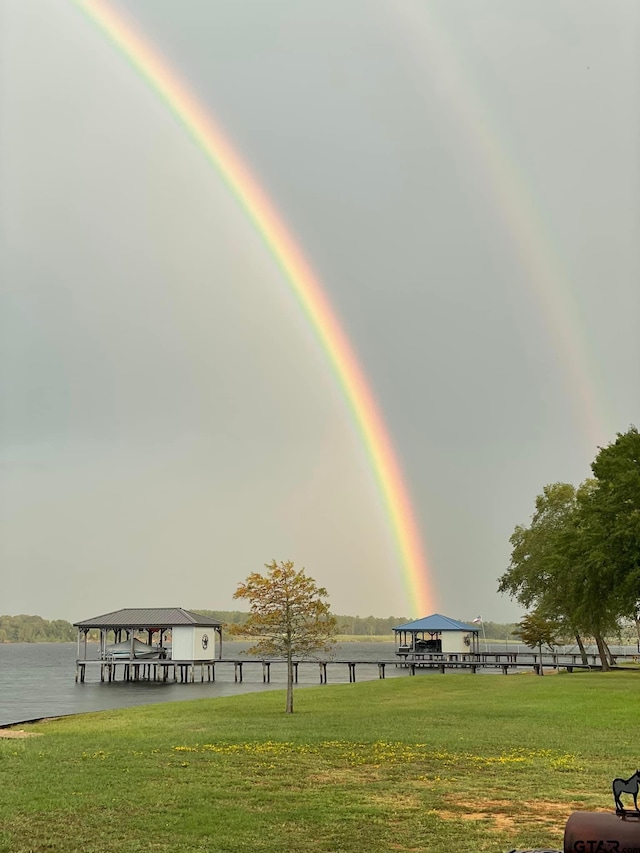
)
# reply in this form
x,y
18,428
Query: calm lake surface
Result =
x,y
38,680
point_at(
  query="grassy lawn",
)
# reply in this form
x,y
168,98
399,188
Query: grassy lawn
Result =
x,y
431,763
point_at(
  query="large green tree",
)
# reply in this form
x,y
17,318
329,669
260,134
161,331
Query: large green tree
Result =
x,y
614,520
544,557
289,616
579,559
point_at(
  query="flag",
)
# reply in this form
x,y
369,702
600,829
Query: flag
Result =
x,y
477,619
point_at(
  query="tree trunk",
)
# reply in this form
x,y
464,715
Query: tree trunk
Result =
x,y
601,651
610,657
636,619
541,670
583,651
289,708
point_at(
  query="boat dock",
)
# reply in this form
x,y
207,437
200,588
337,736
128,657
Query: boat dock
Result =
x,y
178,645
189,671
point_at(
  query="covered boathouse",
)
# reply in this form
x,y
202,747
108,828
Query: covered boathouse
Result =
x,y
149,639
436,635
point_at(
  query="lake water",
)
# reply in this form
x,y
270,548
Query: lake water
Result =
x,y
38,680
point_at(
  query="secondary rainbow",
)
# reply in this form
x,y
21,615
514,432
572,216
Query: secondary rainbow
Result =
x,y
302,281
431,49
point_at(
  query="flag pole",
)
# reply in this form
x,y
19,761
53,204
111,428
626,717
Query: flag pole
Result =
x,y
484,636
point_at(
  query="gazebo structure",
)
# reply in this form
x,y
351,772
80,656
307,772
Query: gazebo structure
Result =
x,y
436,635
147,634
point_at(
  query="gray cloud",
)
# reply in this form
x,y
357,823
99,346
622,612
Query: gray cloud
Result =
x,y
169,422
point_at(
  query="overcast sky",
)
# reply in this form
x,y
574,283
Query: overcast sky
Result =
x,y
464,178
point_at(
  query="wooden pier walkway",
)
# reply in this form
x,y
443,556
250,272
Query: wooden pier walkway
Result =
x,y
191,671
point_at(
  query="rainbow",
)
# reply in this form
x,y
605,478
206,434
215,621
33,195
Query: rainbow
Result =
x,y
432,51
302,281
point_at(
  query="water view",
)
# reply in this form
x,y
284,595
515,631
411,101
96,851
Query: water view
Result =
x,y
38,680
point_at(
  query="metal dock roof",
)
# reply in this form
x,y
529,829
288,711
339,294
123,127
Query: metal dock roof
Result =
x,y
149,617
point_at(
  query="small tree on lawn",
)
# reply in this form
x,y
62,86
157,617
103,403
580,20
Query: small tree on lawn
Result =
x,y
537,631
289,615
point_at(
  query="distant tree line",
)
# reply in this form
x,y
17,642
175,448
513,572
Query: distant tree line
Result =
x,y
357,626
35,629
497,630
576,566
369,626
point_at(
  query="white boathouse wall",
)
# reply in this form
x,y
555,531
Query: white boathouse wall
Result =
x,y
453,642
193,643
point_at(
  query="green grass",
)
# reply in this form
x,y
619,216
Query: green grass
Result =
x,y
431,763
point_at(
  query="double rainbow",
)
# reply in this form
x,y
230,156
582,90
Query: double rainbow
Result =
x,y
303,282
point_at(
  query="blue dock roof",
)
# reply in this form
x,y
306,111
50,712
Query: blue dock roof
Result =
x,y
436,623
